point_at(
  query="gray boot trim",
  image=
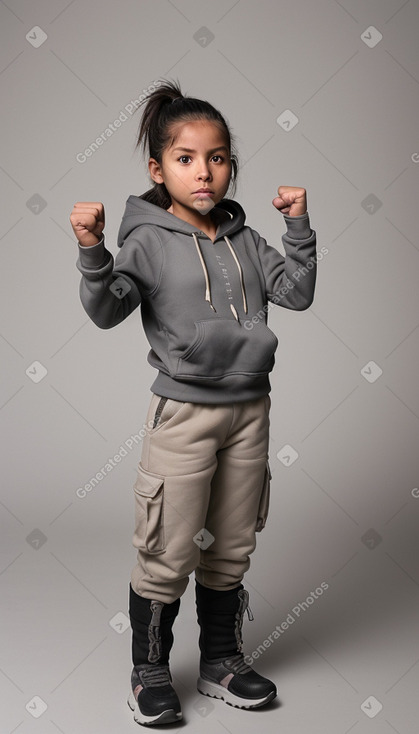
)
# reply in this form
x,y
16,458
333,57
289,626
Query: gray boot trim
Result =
x,y
154,638
243,606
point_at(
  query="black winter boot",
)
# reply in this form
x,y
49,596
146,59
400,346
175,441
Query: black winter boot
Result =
x,y
223,672
152,697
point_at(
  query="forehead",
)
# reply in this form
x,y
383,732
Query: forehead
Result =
x,y
197,135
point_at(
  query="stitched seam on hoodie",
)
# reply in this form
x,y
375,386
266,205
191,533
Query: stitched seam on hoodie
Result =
x,y
156,234
256,242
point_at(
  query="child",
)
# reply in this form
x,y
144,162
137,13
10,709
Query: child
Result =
x,y
203,280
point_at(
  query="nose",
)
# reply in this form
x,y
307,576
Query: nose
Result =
x,y
203,172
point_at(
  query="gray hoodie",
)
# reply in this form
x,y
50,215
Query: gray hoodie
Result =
x,y
203,304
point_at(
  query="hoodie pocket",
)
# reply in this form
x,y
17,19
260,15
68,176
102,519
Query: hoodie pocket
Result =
x,y
149,516
224,347
264,499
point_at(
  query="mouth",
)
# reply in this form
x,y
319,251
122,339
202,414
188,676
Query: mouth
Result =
x,y
203,200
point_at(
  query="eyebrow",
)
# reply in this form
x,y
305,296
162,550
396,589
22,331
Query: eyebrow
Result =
x,y
189,150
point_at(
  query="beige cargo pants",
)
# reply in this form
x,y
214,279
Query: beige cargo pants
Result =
x,y
201,494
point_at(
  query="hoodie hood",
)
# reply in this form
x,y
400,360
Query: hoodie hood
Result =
x,y
228,214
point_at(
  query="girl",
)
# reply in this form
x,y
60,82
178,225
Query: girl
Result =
x,y
203,280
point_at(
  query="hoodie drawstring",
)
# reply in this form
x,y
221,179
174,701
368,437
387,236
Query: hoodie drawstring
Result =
x,y
207,282
204,268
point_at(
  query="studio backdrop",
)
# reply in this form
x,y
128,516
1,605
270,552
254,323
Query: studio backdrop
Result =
x,y
319,94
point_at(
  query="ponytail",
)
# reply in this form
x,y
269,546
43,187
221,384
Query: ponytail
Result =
x,y
164,107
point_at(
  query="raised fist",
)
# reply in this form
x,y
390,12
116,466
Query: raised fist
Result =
x,y
291,200
88,221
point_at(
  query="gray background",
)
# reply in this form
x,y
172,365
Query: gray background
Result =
x,y
345,511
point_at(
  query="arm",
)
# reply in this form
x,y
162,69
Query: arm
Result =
x,y
111,289
290,281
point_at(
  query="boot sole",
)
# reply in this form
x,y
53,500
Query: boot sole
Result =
x,y
165,717
214,690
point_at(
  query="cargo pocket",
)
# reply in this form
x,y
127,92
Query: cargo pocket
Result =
x,y
264,499
149,514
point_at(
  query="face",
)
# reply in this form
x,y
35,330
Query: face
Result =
x,y
196,169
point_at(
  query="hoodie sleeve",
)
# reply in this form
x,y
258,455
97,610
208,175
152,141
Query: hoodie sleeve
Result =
x,y
290,281
110,290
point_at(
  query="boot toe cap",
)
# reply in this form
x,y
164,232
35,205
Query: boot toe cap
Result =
x,y
252,685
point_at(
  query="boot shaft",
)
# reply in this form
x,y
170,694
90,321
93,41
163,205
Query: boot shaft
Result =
x,y
220,617
151,622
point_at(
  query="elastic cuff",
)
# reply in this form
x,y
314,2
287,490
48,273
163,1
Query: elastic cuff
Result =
x,y
93,257
298,228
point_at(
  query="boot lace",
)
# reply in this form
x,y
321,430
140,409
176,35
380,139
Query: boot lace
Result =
x,y
243,606
237,665
154,632
156,676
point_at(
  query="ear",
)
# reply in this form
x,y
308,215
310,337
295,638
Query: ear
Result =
x,y
155,171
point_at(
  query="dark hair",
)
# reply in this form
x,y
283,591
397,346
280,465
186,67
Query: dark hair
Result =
x,y
163,107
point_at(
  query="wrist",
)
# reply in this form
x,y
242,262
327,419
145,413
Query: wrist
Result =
x,y
295,216
91,244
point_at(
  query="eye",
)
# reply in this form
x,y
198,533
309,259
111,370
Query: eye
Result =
x,y
182,157
220,158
